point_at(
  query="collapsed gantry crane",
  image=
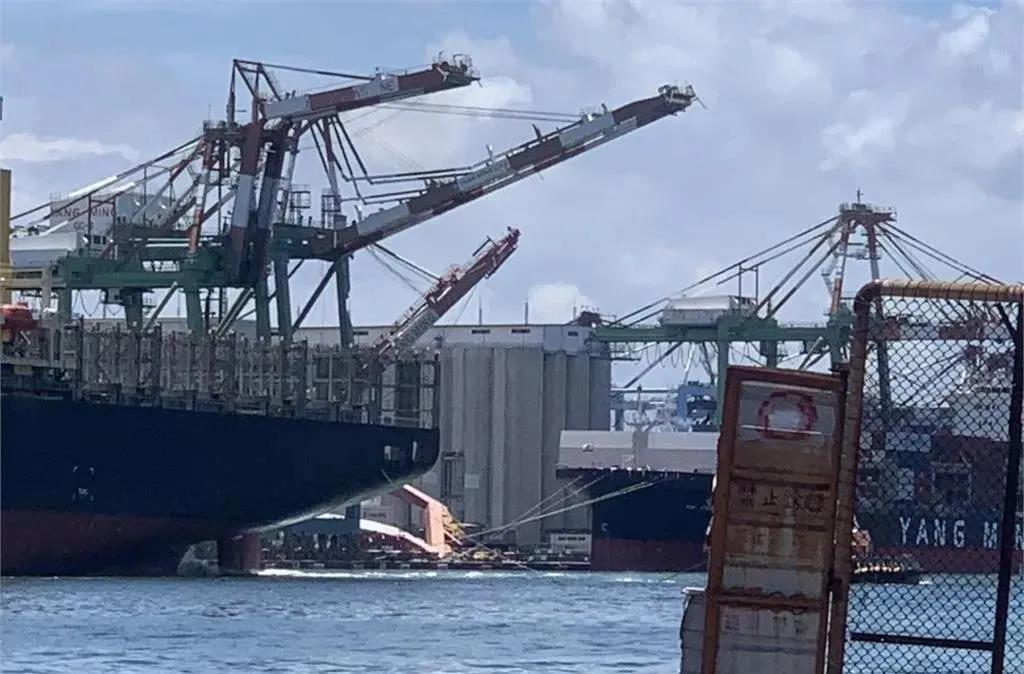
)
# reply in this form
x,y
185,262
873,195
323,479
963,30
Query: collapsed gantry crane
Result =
x,y
239,215
444,294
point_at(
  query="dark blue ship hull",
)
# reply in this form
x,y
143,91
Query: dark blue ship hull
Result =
x,y
91,487
663,527
660,527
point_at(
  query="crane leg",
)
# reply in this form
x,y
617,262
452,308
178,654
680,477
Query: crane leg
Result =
x,y
341,282
193,310
132,303
64,298
262,308
283,299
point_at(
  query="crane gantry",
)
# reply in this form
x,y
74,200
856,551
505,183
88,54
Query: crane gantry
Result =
x,y
858,230
222,210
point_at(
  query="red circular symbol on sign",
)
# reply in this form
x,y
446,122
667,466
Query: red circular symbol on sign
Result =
x,y
791,402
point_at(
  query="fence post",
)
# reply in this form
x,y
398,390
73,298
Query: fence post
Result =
x,y
1008,533
842,565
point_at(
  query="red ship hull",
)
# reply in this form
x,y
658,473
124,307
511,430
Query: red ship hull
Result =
x,y
38,542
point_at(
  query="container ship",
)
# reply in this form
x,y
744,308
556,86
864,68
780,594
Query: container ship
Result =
x,y
931,480
120,450
930,489
651,496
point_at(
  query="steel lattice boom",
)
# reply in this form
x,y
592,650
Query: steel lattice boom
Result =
x,y
444,294
223,210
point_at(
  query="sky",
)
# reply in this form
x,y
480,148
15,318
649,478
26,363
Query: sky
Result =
x,y
918,104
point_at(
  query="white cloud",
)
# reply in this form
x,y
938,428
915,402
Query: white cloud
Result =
x,y
657,267
967,37
790,71
27,147
556,302
856,145
984,134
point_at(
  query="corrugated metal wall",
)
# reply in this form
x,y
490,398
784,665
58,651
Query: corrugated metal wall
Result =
x,y
502,412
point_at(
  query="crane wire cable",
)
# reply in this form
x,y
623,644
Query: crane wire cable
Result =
x,y
814,266
916,264
615,494
772,258
926,272
397,157
384,263
892,256
107,183
536,506
724,270
479,108
477,112
939,255
311,71
425,273
758,262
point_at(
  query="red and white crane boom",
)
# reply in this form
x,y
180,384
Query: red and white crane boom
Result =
x,y
276,121
513,165
382,88
444,294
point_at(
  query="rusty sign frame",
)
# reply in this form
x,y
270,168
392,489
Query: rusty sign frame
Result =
x,y
716,598
869,297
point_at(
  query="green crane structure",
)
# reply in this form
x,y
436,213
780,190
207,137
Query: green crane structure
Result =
x,y
857,231
221,211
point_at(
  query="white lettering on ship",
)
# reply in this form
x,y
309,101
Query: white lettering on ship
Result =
x,y
944,533
922,533
991,539
958,533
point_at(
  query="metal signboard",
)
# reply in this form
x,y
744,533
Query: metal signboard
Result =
x,y
81,214
773,527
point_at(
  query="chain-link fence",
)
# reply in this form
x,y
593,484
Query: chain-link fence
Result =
x,y
935,378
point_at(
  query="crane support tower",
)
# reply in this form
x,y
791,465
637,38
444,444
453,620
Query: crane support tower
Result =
x,y
709,323
222,211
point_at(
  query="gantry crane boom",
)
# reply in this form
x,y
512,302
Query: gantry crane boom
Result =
x,y
384,87
444,294
238,174
511,166
278,123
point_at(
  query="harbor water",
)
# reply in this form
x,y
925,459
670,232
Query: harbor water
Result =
x,y
358,621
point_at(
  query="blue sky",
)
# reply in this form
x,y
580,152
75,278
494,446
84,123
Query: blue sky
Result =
x,y
917,103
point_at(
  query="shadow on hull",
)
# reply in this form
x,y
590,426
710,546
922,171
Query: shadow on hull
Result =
x,y
100,488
